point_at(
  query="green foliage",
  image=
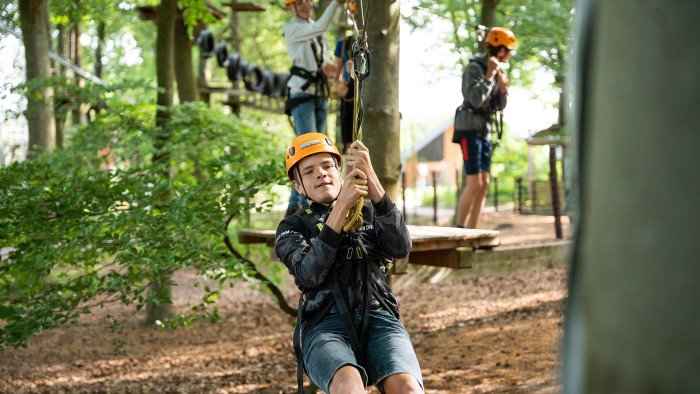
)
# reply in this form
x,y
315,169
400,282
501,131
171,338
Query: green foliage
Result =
x,y
68,96
463,15
97,221
542,28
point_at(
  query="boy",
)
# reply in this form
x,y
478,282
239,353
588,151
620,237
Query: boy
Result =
x,y
350,332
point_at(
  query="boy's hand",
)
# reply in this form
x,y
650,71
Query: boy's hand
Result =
x,y
358,158
354,187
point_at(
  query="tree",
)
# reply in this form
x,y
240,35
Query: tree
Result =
x,y
79,240
159,288
86,234
34,21
632,320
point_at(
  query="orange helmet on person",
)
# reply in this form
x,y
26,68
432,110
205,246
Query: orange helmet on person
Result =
x,y
306,145
499,36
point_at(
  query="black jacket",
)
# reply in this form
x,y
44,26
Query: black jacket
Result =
x,y
312,255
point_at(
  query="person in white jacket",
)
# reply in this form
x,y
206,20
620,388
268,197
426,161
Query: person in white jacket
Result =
x,y
312,65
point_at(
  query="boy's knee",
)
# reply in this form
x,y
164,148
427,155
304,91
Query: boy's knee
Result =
x,y
347,380
401,384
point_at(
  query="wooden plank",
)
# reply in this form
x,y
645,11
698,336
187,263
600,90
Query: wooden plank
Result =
x,y
482,263
251,236
448,258
423,237
438,237
432,245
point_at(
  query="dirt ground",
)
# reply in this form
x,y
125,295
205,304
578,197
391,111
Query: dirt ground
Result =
x,y
496,334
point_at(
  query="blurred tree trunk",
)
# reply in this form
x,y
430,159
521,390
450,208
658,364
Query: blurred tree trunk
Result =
x,y
633,319
187,88
62,101
488,12
79,109
34,22
101,34
165,65
381,125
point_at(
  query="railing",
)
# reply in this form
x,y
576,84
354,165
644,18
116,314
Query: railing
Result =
x,y
439,202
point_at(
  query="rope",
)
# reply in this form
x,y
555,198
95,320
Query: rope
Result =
x,y
361,70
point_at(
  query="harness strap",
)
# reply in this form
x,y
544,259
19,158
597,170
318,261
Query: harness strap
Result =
x,y
379,274
297,347
347,320
304,73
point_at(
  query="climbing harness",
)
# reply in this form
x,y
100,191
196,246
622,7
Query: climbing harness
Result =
x,y
353,257
361,70
316,78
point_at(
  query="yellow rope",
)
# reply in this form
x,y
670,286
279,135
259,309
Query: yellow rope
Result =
x,y
354,217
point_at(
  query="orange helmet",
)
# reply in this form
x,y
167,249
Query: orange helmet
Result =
x,y
499,36
289,1
306,145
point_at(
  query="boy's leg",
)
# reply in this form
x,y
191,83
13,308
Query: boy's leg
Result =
x,y
391,354
328,354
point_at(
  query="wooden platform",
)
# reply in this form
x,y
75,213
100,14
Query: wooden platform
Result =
x,y
432,245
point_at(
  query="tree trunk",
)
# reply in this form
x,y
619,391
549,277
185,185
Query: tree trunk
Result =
x,y
165,48
62,101
101,33
79,109
633,320
381,125
34,21
234,26
184,68
165,58
488,12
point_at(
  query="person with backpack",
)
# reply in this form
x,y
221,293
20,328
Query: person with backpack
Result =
x,y
307,87
485,92
348,334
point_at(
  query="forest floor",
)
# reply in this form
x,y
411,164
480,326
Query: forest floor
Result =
x,y
497,334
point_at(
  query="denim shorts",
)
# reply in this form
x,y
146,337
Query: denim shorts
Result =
x,y
326,348
476,153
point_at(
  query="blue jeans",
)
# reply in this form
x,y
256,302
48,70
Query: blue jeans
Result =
x,y
309,116
326,348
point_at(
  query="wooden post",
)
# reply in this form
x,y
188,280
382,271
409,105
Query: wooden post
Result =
x,y
435,197
403,194
495,194
554,184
